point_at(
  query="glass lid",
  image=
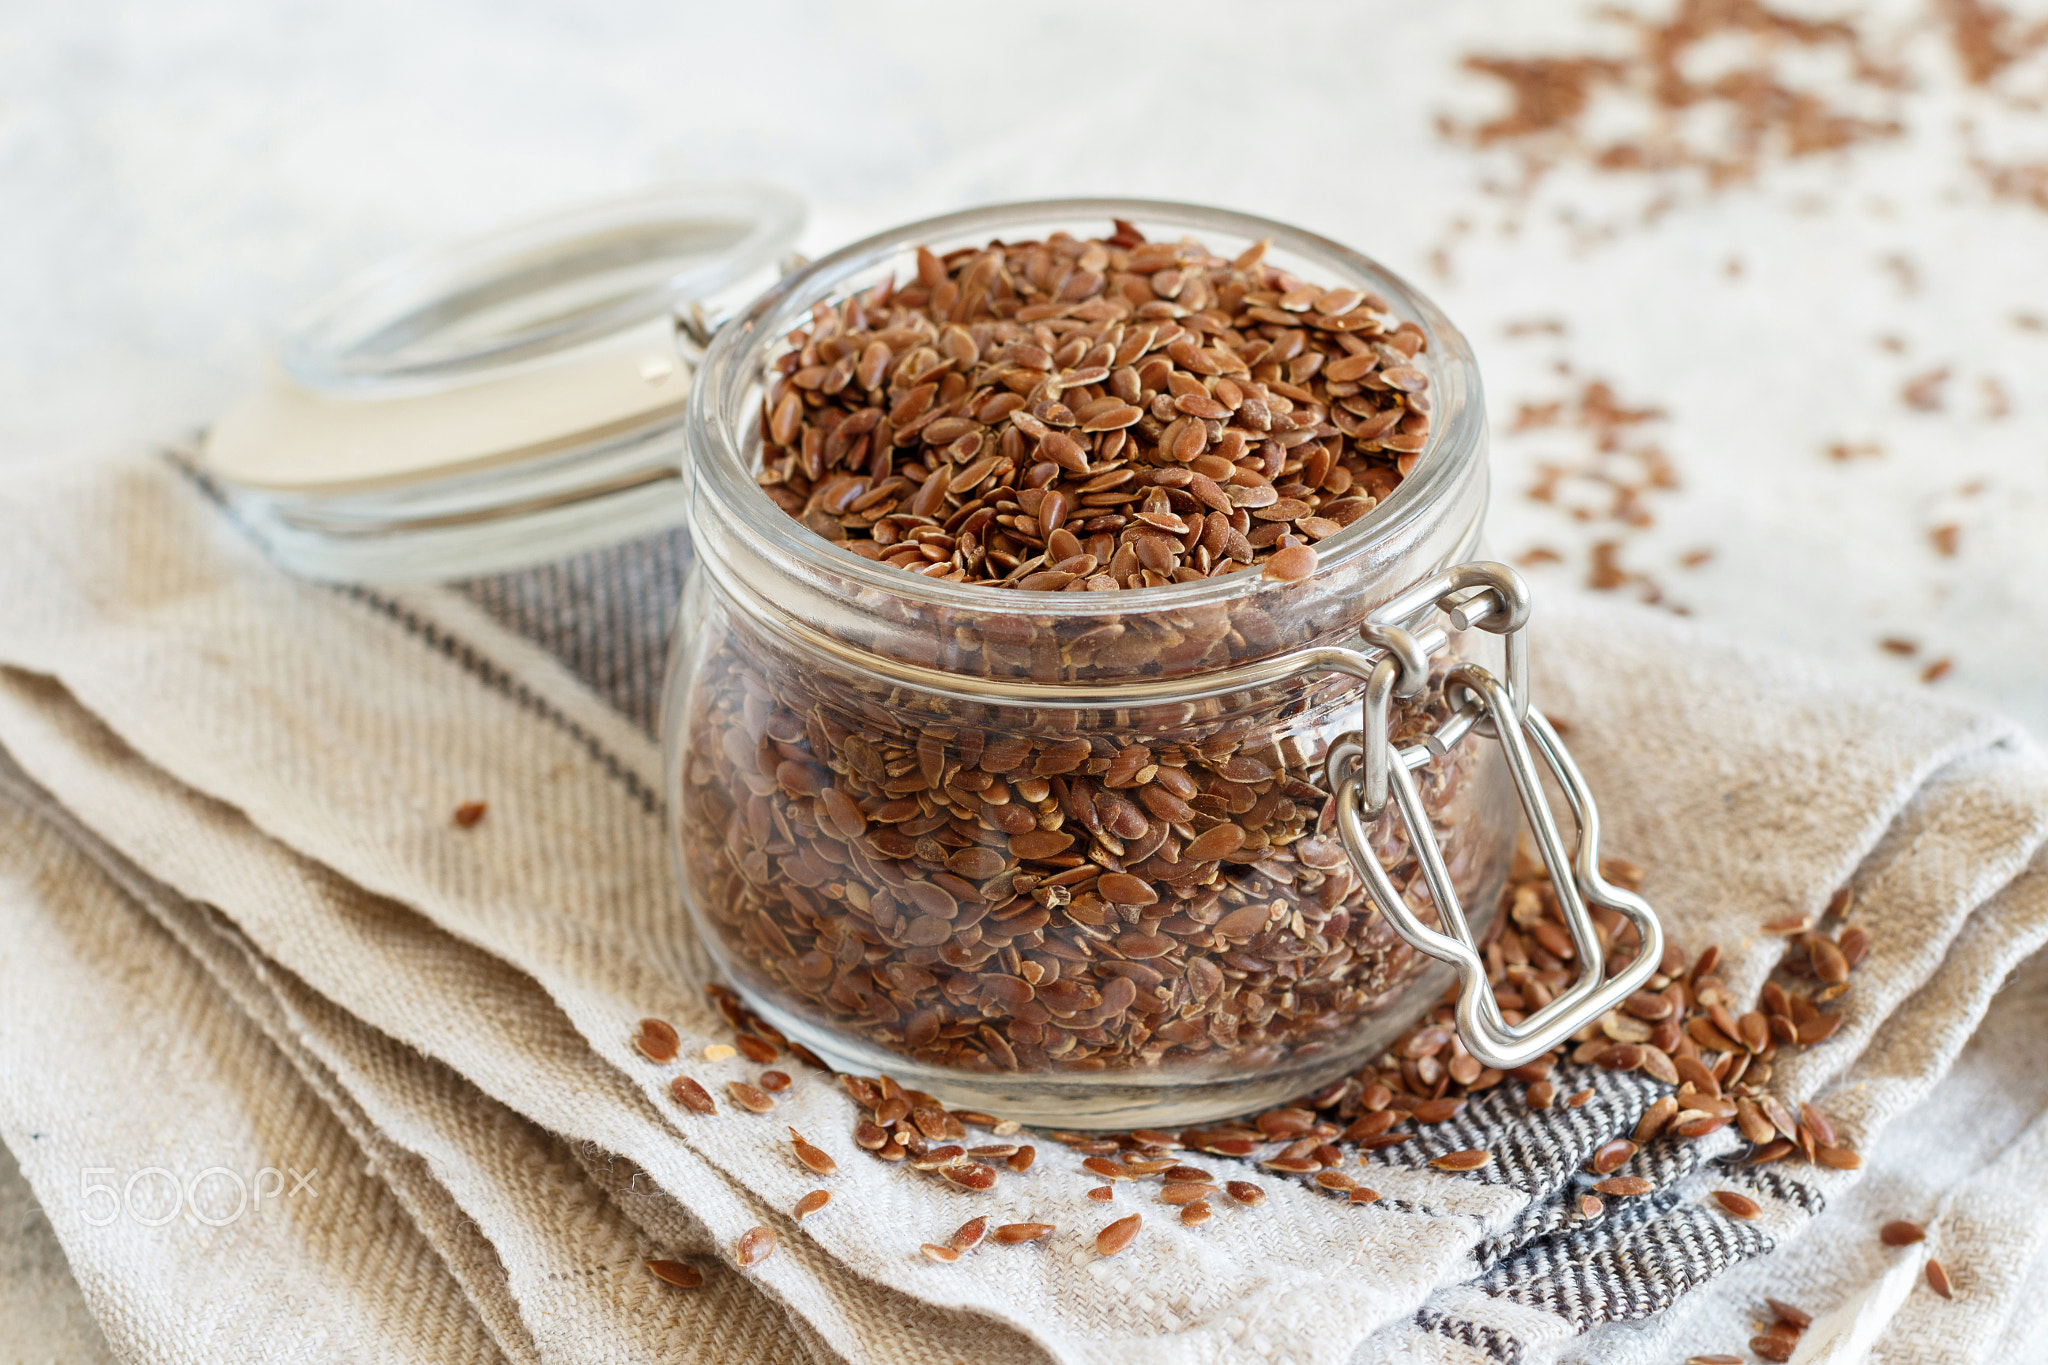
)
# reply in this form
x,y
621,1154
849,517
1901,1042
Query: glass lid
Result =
x,y
521,295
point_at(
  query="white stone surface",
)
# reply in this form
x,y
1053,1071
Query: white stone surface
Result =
x,y
176,178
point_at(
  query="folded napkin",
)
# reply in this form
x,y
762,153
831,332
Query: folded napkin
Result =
x,y
251,954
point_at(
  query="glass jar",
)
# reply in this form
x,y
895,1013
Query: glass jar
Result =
x,y
1077,858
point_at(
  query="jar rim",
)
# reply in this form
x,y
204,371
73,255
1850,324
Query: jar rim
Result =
x,y
722,429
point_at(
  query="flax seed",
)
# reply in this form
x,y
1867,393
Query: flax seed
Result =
x,y
1009,1234
676,1273
1737,1205
754,1246
813,1159
748,1097
1899,1233
1118,1235
1937,1279
657,1040
811,1203
691,1096
1470,1159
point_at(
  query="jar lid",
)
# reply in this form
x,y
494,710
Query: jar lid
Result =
x,y
470,408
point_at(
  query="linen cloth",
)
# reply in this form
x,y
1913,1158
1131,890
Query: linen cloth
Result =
x,y
250,937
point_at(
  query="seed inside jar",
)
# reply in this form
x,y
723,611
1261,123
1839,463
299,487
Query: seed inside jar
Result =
x,y
1088,416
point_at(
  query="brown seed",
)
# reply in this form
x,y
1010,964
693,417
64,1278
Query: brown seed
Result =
x,y
969,1234
1823,1127
1828,963
1737,1205
1117,1235
1716,1359
1185,1192
1470,1159
657,1040
944,1255
1789,924
1840,1158
1590,1206
1770,1347
1624,1186
754,1246
1196,1214
754,1049
1798,1319
1656,1118
1009,1234
1291,565
1541,1095
1899,1233
691,1096
1937,1279
467,815
1611,1156
813,1159
676,1273
1244,1192
748,1097
811,1203
1102,1194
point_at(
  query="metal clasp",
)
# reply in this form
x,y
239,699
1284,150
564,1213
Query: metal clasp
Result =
x,y
1368,769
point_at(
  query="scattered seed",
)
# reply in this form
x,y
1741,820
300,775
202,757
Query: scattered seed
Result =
x,y
1196,1214
1737,1205
811,1203
1611,1156
466,817
1020,1160
969,1235
775,1082
1899,1233
1716,1359
1117,1235
814,1159
1590,1206
718,1052
1624,1186
1102,1194
754,1246
754,1049
1798,1319
1470,1159
692,1096
942,1254
676,1273
1362,1195
1937,1279
1771,1348
748,1098
1009,1234
657,1040
1244,1192
1185,1193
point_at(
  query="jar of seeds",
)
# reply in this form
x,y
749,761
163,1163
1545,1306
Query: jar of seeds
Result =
x,y
1081,704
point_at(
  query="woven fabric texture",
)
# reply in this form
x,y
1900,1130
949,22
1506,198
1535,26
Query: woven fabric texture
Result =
x,y
231,856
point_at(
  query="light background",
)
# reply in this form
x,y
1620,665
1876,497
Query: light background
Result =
x,y
176,179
